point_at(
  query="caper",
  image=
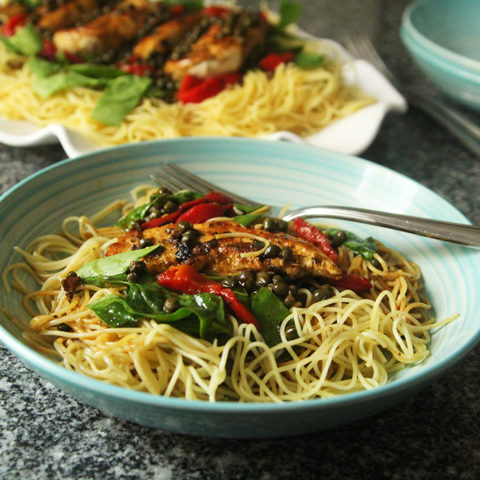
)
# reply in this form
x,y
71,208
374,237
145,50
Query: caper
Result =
x,y
291,332
280,289
245,276
376,263
133,277
257,244
338,238
289,300
164,191
287,254
293,289
145,242
270,224
137,266
171,304
272,251
325,291
189,237
228,282
282,225
184,226
154,212
263,279
278,279
170,206
64,327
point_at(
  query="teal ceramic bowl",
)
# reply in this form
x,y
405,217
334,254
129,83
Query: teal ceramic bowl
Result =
x,y
270,172
443,38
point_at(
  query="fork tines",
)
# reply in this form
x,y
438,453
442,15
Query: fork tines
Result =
x,y
177,178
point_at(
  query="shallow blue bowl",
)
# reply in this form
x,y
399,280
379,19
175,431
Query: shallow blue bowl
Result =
x,y
270,172
443,37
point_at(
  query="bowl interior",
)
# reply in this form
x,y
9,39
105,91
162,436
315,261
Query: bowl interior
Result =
x,y
272,172
448,28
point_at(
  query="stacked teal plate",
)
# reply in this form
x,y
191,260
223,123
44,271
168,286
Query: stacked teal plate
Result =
x,y
443,38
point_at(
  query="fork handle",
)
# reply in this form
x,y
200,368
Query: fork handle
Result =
x,y
458,233
466,131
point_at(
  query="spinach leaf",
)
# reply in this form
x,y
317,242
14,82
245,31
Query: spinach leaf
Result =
x,y
269,311
121,95
364,247
247,219
289,13
30,3
107,270
135,215
47,86
201,315
26,41
309,60
42,68
96,71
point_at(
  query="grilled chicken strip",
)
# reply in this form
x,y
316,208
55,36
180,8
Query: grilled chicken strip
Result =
x,y
223,48
222,256
165,36
110,31
67,14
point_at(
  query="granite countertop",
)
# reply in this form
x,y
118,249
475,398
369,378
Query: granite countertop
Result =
x,y
435,434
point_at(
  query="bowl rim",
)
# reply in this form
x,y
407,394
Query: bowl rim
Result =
x,y
446,54
47,368
425,56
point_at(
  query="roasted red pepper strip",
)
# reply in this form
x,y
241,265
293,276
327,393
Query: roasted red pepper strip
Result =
x,y
14,22
185,206
353,282
196,90
139,69
185,279
163,220
48,51
217,197
203,212
270,62
309,232
215,11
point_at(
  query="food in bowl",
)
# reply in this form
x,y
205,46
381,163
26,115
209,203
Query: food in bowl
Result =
x,y
172,70
194,296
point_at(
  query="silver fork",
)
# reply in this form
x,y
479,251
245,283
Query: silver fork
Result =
x,y
467,132
177,178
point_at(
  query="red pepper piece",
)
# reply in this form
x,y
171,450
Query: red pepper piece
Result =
x,y
13,23
224,205
217,197
177,10
270,62
185,279
309,232
73,57
353,282
203,212
139,69
172,217
48,51
215,11
163,220
195,90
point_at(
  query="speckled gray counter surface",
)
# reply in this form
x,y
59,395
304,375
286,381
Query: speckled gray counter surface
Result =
x,y
46,434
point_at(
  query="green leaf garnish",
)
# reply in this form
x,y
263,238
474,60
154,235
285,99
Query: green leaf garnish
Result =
x,y
120,97
289,13
112,269
309,60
